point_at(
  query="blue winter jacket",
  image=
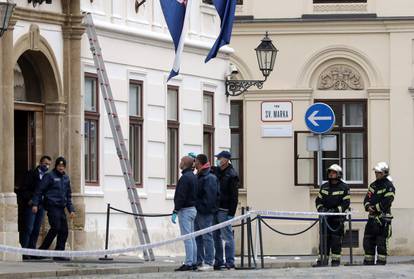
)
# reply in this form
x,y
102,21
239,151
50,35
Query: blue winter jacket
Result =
x,y
208,192
55,188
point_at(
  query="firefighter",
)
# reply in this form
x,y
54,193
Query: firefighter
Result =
x,y
377,203
333,197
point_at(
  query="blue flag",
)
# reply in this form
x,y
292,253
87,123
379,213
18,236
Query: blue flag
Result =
x,y
176,13
226,10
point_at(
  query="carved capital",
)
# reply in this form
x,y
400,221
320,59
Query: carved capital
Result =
x,y
56,108
340,77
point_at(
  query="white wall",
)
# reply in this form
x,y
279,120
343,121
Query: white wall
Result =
x,y
139,47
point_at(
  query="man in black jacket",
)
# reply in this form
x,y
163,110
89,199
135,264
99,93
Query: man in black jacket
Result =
x,y
377,203
57,193
184,207
207,200
30,223
229,198
334,197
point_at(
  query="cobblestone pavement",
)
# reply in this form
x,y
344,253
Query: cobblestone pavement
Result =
x,y
344,272
132,267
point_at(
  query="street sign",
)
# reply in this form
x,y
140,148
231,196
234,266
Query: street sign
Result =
x,y
319,118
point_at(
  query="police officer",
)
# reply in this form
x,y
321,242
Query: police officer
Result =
x,y
333,197
31,222
377,203
57,193
229,198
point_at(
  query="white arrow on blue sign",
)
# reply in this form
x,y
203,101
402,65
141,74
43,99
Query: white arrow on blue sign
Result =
x,y
319,118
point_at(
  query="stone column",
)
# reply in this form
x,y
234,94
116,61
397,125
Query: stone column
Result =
x,y
8,203
72,35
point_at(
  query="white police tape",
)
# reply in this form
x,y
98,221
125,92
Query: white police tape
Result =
x,y
98,253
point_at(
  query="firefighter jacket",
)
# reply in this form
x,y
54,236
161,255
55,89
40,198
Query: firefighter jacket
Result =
x,y
380,196
333,197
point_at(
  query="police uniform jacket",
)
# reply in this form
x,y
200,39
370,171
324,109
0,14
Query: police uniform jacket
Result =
x,y
56,190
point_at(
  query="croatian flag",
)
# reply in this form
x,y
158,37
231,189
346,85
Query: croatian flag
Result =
x,y
176,13
226,10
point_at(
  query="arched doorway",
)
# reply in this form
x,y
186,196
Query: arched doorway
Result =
x,y
28,115
35,88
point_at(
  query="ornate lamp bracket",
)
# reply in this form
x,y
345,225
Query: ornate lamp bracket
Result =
x,y
236,87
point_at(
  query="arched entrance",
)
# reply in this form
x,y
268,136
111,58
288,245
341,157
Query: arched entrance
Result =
x,y
34,88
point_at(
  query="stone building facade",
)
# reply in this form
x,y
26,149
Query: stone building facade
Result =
x,y
50,104
357,57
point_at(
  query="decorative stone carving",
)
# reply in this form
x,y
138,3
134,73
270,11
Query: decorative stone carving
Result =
x,y
34,34
340,77
343,7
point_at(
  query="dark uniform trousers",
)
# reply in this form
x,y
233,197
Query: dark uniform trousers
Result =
x,y
334,237
377,232
333,198
58,227
379,198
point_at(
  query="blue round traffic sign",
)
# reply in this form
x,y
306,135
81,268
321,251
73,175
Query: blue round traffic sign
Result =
x,y
320,118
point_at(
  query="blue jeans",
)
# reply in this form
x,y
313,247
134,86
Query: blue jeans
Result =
x,y
224,234
186,218
32,224
205,244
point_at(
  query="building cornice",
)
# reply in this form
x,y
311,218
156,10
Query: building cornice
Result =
x,y
304,94
300,26
38,16
378,93
127,33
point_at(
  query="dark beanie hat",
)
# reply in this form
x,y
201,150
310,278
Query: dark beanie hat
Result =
x,y
60,160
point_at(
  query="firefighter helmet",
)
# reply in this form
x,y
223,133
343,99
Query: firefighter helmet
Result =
x,y
382,167
336,168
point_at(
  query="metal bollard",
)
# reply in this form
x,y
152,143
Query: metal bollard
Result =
x,y
242,240
259,219
108,213
351,256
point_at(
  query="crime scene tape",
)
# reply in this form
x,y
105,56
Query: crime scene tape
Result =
x,y
99,253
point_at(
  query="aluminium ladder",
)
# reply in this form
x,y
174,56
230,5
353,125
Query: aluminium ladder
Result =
x,y
117,134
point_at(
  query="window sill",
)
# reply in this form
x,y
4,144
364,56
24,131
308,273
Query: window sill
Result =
x,y
207,9
354,191
170,194
93,191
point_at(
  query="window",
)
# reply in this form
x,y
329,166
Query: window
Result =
x,y
135,129
351,152
172,136
338,1
351,131
208,124
91,139
210,2
236,128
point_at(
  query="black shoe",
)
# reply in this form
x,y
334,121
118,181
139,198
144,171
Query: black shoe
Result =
x,y
380,262
335,263
230,266
219,267
368,262
184,267
27,258
317,264
61,259
194,267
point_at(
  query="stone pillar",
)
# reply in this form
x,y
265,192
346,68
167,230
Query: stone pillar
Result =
x,y
8,203
72,35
